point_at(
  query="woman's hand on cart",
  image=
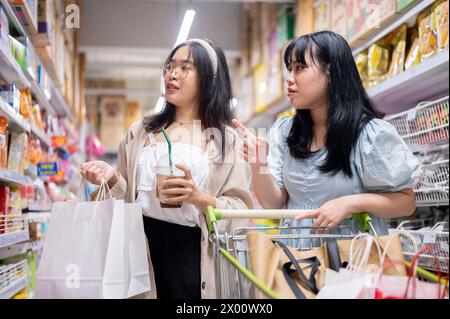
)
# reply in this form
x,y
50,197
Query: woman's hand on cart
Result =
x,y
332,213
255,149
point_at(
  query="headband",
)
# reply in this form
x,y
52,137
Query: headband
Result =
x,y
211,52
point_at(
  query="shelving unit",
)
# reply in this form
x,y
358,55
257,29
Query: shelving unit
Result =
x,y
433,187
16,121
13,178
425,128
10,69
262,119
13,279
427,80
379,33
14,230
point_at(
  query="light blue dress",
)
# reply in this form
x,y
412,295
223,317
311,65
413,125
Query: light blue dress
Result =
x,y
380,162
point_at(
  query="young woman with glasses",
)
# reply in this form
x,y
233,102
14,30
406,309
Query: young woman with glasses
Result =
x,y
197,118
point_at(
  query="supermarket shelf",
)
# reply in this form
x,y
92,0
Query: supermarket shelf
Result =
x,y
37,207
13,178
21,248
441,146
12,15
265,118
381,32
14,238
432,188
10,70
41,98
14,288
427,80
13,278
43,137
13,73
16,121
59,103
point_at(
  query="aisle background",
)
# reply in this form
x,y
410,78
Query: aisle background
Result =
x,y
69,94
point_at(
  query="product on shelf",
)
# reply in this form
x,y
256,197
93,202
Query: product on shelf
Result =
x,y
15,202
4,204
441,19
26,12
37,119
427,35
16,160
11,95
32,62
25,104
19,52
3,142
361,63
398,55
402,5
378,64
413,57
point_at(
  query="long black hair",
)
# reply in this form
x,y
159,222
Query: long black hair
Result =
x,y
214,92
350,108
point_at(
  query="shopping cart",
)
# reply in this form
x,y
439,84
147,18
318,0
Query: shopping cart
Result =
x,y
234,278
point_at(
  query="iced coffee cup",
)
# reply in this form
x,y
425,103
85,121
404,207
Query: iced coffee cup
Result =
x,y
163,173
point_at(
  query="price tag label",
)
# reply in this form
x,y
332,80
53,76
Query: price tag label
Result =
x,y
411,115
47,169
429,237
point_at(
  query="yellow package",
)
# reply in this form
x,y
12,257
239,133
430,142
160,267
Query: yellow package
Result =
x,y
412,56
378,63
441,21
427,35
25,109
361,64
398,55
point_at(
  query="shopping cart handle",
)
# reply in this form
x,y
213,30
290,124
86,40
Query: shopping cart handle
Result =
x,y
212,215
363,220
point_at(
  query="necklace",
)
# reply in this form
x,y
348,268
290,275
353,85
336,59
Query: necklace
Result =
x,y
183,123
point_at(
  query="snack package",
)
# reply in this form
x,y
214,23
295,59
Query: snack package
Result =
x,y
19,52
361,64
4,204
3,142
398,55
427,35
11,95
378,64
25,101
16,152
441,20
413,57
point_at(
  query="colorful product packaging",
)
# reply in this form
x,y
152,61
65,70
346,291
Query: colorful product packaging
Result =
x,y
398,55
3,142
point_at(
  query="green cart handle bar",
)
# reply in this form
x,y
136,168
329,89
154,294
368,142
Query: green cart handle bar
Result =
x,y
214,214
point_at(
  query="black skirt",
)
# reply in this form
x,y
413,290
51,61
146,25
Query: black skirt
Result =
x,y
175,254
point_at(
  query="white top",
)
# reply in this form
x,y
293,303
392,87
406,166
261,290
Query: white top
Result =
x,y
193,157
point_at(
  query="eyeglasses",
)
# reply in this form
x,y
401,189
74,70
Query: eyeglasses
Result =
x,y
182,70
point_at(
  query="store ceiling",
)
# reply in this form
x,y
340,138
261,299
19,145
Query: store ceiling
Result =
x,y
130,39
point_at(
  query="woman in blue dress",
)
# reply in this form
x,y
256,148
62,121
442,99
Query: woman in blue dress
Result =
x,y
335,156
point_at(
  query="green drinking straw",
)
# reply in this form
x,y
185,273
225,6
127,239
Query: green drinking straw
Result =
x,y
169,145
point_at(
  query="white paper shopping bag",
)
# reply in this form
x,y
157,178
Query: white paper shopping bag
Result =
x,y
74,255
94,249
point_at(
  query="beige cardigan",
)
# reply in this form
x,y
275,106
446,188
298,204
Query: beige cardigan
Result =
x,y
228,181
